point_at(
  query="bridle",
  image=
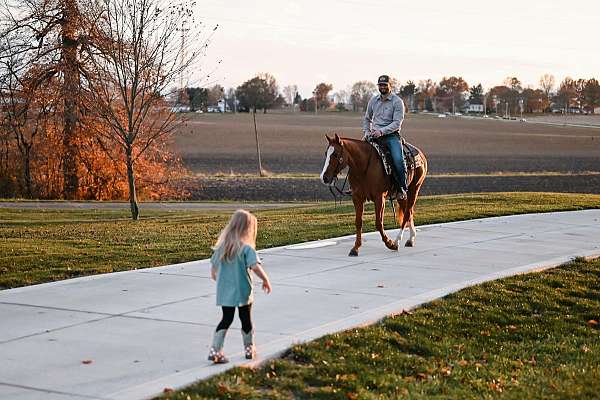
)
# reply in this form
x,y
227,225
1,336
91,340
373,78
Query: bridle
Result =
x,y
333,187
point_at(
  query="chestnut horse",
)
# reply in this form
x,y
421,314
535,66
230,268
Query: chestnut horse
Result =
x,y
370,182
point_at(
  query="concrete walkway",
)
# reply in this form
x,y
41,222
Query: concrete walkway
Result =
x,y
129,335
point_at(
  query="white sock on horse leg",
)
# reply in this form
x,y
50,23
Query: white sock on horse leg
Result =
x,y
413,231
399,236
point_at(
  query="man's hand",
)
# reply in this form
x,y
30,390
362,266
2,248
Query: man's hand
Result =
x,y
376,134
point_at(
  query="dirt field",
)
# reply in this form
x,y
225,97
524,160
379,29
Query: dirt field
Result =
x,y
295,143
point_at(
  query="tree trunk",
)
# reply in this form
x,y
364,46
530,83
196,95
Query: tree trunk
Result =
x,y
260,170
27,173
70,91
135,211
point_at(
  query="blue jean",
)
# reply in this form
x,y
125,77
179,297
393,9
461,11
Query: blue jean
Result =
x,y
393,143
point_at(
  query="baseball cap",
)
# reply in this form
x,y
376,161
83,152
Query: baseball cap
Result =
x,y
383,79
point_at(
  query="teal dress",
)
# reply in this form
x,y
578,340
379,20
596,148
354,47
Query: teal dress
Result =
x,y
234,282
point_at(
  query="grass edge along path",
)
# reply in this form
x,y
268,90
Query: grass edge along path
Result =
x,y
531,336
47,245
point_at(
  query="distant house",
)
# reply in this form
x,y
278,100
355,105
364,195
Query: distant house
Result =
x,y
477,108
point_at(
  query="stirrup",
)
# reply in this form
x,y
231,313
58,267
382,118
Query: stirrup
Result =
x,y
401,195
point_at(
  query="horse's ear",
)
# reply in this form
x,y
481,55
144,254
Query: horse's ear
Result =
x,y
328,138
337,139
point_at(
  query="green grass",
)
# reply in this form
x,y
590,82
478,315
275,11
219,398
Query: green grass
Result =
x,y
524,337
47,245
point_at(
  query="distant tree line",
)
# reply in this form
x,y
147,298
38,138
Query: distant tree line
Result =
x,y
449,94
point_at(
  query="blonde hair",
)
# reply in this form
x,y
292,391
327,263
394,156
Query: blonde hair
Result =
x,y
241,229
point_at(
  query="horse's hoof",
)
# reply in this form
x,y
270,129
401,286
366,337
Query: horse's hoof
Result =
x,y
409,243
397,245
353,253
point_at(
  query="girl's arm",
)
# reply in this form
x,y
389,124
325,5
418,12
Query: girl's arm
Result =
x,y
266,284
213,272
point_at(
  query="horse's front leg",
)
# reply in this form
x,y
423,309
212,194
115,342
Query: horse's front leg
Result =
x,y
379,213
359,208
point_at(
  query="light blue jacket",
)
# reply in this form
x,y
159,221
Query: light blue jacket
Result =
x,y
234,279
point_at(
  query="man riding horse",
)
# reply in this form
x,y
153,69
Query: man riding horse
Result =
x,y
383,120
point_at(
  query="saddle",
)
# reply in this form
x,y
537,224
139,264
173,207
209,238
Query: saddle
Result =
x,y
412,157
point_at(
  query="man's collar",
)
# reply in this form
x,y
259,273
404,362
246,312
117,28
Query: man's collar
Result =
x,y
387,96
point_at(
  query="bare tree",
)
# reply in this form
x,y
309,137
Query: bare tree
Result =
x,y
26,105
342,98
361,93
289,93
136,59
426,91
215,95
547,84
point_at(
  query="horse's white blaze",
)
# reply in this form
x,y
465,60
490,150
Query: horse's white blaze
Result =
x,y
330,151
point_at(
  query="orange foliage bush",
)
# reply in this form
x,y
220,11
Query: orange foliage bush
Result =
x,y
101,168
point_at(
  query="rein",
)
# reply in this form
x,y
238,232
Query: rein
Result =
x,y
333,187
341,192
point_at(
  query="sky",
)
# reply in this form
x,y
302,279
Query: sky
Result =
x,y
344,41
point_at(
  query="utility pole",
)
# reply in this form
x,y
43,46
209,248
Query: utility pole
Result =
x,y
485,104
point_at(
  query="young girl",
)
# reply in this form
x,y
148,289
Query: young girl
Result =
x,y
233,258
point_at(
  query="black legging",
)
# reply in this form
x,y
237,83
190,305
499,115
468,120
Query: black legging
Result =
x,y
244,314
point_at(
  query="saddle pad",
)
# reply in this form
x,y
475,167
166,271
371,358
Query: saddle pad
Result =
x,y
412,157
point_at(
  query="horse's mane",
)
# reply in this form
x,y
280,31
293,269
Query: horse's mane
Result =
x,y
358,141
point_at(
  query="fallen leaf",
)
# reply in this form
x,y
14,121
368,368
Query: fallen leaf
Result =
x,y
352,396
380,285
592,323
463,362
222,388
512,328
495,387
585,349
168,390
87,362
485,333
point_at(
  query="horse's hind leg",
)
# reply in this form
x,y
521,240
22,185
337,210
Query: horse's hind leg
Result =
x,y
359,208
409,215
